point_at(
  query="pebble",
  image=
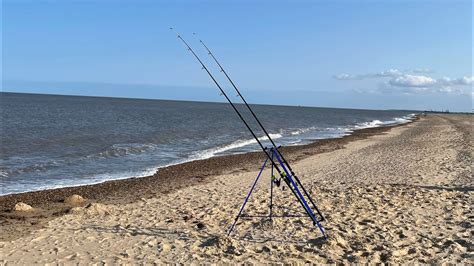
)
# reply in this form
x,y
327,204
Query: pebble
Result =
x,y
74,199
22,207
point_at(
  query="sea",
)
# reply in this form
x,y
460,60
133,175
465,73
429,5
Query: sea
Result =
x,y
52,141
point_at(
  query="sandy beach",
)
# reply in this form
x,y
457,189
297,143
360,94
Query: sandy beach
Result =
x,y
398,195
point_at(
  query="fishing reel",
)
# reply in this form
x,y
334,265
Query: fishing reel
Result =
x,y
277,182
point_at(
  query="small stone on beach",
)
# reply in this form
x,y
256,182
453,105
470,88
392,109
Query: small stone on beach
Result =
x,y
74,200
22,207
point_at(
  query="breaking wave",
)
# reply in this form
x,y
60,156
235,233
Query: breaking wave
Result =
x,y
118,150
302,131
378,123
370,124
234,145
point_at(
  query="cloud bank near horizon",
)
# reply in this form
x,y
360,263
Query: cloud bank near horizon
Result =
x,y
414,82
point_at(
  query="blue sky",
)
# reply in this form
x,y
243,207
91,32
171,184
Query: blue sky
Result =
x,y
359,54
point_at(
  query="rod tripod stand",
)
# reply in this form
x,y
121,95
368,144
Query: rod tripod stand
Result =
x,y
295,187
280,165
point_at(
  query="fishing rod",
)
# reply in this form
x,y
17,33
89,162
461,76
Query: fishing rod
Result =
x,y
284,175
261,126
228,99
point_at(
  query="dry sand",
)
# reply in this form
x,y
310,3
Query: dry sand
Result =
x,y
404,196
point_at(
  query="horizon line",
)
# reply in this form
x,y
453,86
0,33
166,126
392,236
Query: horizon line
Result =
x,y
196,101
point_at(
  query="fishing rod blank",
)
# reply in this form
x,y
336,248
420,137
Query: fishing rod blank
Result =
x,y
261,126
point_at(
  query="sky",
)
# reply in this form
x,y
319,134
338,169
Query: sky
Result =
x,y
351,54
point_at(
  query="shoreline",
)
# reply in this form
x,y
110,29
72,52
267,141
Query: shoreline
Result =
x,y
366,132
49,203
197,155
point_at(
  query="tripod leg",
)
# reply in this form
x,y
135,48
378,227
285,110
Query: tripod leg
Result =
x,y
271,191
247,198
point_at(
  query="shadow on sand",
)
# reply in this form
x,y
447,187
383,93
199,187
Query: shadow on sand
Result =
x,y
212,240
132,230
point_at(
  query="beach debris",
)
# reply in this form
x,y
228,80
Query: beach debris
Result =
x,y
22,207
74,199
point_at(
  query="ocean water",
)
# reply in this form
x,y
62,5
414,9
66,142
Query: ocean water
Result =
x,y
50,141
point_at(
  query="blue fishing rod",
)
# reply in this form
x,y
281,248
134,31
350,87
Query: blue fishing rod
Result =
x,y
263,128
285,174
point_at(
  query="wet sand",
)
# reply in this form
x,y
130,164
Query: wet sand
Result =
x,y
401,194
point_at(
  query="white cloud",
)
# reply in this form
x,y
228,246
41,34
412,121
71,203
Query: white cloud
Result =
x,y
346,77
412,81
405,82
467,81
383,74
388,73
